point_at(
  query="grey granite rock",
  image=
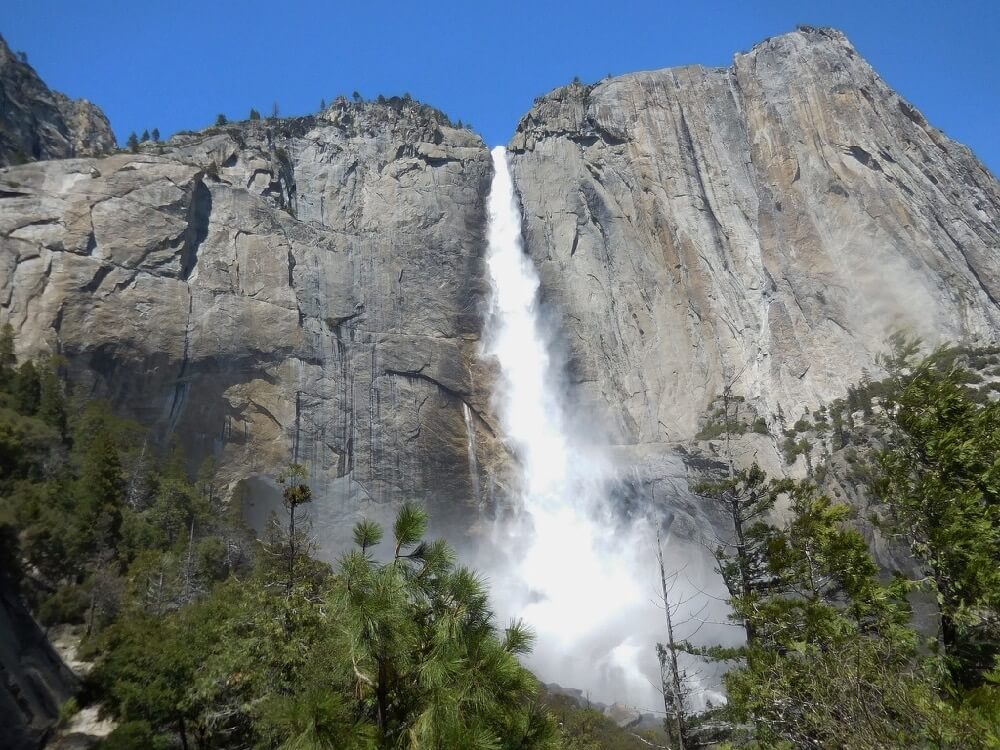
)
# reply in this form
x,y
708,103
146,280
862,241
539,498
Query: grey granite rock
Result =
x,y
34,682
292,290
311,289
772,222
37,123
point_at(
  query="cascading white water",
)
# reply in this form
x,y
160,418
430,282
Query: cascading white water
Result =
x,y
583,584
470,447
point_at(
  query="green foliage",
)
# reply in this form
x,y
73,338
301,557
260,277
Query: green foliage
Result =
x,y
67,604
99,489
715,429
133,142
52,407
367,534
832,658
156,135
583,728
940,478
254,114
27,389
802,425
220,120
792,448
380,655
7,357
746,499
68,710
135,734
834,661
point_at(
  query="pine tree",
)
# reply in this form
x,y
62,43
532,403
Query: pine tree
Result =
x,y
254,114
100,491
8,359
52,397
27,388
133,142
145,136
746,498
220,120
156,135
940,479
295,493
834,661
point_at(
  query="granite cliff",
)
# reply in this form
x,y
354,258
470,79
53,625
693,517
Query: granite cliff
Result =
x,y
312,289
299,290
38,123
767,225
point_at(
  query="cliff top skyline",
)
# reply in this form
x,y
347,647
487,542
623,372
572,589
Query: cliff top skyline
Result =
x,y
176,67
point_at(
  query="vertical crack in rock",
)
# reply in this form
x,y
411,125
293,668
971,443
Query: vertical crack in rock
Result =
x,y
199,214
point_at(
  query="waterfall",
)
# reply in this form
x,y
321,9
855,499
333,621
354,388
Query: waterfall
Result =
x,y
470,446
572,571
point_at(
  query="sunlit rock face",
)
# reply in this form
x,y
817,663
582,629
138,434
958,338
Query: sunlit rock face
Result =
x,y
298,290
777,218
312,289
37,123
315,290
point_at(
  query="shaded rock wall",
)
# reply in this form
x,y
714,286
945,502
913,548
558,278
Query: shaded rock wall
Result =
x,y
34,682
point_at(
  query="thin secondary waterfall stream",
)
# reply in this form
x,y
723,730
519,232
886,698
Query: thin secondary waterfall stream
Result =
x,y
582,580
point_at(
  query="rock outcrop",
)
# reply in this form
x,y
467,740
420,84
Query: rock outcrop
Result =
x,y
37,123
770,223
293,290
311,289
33,680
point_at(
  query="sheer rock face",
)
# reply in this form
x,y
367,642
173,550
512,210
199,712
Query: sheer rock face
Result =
x,y
300,290
771,222
312,289
37,123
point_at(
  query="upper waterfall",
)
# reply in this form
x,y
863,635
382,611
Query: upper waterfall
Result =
x,y
575,573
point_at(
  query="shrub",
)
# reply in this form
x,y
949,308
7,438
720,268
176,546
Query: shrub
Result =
x,y
66,604
802,425
67,711
132,735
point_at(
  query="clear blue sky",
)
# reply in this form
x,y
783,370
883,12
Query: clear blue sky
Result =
x,y
175,65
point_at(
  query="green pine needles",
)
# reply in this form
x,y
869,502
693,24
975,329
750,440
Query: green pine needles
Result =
x,y
402,653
